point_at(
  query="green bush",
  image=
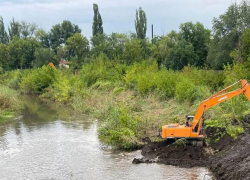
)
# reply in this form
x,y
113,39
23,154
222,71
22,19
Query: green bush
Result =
x,y
61,89
234,131
119,128
102,69
37,80
165,81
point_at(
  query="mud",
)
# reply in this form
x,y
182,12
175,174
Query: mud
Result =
x,y
227,158
167,152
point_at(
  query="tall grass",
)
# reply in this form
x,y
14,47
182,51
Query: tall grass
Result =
x,y
9,100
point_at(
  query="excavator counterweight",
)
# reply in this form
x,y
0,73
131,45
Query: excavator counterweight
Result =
x,y
195,129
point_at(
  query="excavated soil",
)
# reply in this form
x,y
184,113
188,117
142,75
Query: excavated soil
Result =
x,y
227,158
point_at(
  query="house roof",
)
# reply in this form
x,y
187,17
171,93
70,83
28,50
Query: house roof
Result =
x,y
64,62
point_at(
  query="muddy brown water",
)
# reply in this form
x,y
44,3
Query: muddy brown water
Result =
x,y
51,142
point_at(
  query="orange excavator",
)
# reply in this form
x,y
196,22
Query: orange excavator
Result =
x,y
195,128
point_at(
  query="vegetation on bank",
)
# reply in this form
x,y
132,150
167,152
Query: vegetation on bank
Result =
x,y
9,102
133,101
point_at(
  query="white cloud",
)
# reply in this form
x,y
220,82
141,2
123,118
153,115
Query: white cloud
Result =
x,y
117,15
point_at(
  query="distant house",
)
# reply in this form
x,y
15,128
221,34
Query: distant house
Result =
x,y
64,64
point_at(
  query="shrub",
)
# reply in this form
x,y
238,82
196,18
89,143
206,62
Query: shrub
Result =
x,y
140,76
61,89
234,131
165,81
119,128
37,80
102,69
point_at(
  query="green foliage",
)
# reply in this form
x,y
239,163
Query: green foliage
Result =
x,y
97,27
246,45
78,46
37,80
59,33
61,89
44,56
3,33
140,75
141,23
119,128
116,45
228,29
133,51
181,142
14,29
102,69
199,37
187,90
165,81
234,131
9,100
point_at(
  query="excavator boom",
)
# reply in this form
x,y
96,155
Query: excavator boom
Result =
x,y
195,130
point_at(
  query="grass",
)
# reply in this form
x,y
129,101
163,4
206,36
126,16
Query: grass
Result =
x,y
9,102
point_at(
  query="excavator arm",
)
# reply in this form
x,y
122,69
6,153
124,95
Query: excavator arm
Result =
x,y
217,99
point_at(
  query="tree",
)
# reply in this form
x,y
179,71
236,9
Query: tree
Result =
x,y
42,37
133,51
246,45
181,55
4,56
176,52
199,37
61,32
44,56
78,47
22,52
14,29
227,30
99,45
27,29
141,23
3,33
97,27
116,45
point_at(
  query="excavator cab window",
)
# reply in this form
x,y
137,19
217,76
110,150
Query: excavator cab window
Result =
x,y
189,120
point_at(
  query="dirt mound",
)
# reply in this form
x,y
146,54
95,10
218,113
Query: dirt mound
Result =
x,y
169,153
233,163
225,142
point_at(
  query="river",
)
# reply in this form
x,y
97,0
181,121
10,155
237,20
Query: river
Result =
x,y
50,141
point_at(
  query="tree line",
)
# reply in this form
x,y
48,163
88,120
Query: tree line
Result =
x,y
24,45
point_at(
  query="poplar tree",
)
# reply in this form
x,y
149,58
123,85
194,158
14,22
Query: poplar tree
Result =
x,y
140,23
97,27
3,33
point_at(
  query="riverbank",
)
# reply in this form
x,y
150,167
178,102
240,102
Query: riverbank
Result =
x,y
10,103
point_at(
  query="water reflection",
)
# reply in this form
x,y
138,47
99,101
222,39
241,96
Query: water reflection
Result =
x,y
50,141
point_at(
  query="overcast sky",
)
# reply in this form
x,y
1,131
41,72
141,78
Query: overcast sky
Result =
x,y
117,15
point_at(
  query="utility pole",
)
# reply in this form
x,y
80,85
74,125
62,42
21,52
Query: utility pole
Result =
x,y
152,29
